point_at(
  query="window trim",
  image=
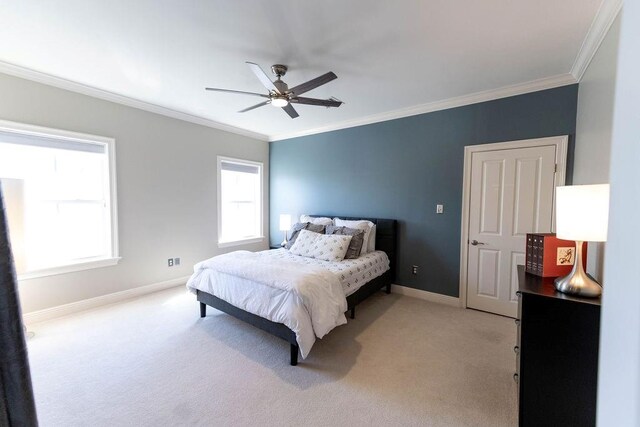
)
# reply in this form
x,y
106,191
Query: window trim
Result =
x,y
255,239
112,208
70,268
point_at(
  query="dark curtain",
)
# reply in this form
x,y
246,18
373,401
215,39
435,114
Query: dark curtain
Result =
x,y
17,406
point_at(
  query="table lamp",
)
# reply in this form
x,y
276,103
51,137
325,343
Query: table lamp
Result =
x,y
582,214
285,225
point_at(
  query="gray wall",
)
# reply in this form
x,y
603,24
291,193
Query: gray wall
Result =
x,y
594,126
619,373
594,122
166,171
402,168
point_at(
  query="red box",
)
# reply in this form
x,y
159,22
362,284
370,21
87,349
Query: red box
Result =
x,y
548,256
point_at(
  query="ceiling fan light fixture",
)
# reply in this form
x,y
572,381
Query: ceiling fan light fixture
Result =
x,y
279,102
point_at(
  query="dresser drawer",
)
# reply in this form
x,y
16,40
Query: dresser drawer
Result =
x,y
517,347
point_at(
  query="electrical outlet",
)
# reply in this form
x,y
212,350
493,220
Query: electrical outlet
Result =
x,y
170,262
414,269
439,209
176,261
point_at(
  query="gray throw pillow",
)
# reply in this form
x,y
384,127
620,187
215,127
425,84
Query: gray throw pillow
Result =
x,y
357,239
295,230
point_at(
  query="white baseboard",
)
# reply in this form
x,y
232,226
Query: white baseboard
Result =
x,y
426,295
88,304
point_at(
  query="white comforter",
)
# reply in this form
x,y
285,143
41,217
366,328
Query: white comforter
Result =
x,y
308,299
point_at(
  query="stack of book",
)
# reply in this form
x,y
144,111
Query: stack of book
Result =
x,y
548,256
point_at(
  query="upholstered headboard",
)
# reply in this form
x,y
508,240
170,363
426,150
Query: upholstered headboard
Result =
x,y
386,236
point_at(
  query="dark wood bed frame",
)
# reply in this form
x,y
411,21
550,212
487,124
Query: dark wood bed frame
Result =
x,y
386,238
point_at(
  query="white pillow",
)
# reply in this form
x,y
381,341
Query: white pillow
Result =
x,y
321,221
359,224
328,247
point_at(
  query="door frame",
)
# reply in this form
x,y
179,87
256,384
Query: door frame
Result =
x,y
560,142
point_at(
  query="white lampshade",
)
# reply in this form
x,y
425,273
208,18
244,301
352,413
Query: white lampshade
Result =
x,y
582,212
285,222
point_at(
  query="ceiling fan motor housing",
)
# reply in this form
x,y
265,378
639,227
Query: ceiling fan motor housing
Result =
x,y
281,86
280,70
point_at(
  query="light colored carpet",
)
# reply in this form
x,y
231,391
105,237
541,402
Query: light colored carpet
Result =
x,y
153,361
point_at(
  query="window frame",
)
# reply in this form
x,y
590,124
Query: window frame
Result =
x,y
258,239
112,203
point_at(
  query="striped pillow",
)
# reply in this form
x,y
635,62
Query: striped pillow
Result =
x,y
357,239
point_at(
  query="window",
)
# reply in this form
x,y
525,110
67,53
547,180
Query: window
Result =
x,y
59,192
239,201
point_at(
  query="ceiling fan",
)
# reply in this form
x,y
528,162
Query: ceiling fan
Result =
x,y
279,93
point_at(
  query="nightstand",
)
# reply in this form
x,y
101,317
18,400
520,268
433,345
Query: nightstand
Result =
x,y
556,354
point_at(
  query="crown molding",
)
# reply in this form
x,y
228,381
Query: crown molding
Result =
x,y
460,101
474,98
603,20
39,77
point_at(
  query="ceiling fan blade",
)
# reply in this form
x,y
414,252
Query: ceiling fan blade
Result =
x,y
236,91
291,111
314,101
262,76
312,84
255,106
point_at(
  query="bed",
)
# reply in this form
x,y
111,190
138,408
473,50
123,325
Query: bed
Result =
x,y
240,296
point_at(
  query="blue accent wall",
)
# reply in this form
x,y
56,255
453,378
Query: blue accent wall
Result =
x,y
402,168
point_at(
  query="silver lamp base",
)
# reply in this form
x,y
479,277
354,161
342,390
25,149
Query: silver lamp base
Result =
x,y
578,282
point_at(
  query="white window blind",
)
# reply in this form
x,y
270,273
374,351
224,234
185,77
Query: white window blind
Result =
x,y
240,200
43,141
59,198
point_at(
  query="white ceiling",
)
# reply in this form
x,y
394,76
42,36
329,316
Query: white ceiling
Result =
x,y
388,55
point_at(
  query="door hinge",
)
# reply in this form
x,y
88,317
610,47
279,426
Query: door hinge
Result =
x,y
555,168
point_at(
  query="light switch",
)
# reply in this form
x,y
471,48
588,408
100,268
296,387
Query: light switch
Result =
x,y
439,209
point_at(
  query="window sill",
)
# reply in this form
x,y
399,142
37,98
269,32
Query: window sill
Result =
x,y
241,242
88,265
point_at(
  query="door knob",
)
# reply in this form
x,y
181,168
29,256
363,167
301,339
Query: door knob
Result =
x,y
476,243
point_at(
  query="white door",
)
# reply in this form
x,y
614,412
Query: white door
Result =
x,y
511,194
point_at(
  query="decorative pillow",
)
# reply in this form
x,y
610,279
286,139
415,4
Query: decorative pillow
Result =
x,y
357,239
372,239
359,224
297,227
328,247
321,220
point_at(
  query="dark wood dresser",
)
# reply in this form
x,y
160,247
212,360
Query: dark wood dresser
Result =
x,y
556,355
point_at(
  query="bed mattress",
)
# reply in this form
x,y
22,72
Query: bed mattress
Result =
x,y
353,273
